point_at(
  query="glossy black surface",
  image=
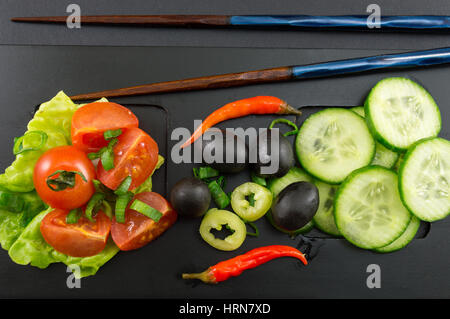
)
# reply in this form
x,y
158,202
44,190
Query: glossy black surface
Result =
x,y
33,74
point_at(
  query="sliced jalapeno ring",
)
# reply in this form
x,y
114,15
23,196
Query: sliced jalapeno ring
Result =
x,y
216,219
262,201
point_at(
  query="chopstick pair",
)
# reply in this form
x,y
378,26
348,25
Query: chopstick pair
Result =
x,y
318,70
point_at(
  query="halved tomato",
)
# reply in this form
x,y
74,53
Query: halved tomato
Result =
x,y
83,239
135,155
138,230
90,121
75,189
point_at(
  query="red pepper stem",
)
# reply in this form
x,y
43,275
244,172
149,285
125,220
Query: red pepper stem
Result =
x,y
206,276
287,109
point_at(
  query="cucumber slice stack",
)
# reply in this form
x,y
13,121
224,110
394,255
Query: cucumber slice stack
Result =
x,y
352,154
425,179
368,210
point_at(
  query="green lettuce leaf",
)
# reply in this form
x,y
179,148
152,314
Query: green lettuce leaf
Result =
x,y
54,118
31,248
12,223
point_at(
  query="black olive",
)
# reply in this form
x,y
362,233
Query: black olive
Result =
x,y
215,152
295,206
190,197
265,156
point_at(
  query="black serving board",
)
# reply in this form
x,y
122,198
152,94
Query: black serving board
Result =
x,y
33,74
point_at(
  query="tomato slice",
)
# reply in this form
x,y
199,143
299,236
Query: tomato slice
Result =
x,y
69,159
83,239
138,230
135,155
90,121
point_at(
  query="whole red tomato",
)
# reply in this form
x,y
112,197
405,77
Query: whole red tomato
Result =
x,y
63,177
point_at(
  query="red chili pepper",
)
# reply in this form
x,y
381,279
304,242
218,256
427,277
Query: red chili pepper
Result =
x,y
253,105
235,266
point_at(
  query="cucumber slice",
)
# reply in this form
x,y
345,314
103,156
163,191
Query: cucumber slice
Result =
x,y
404,239
324,218
332,143
358,110
425,179
400,112
383,156
368,210
295,174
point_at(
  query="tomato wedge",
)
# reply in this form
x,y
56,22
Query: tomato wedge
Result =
x,y
82,239
71,160
90,121
138,230
135,155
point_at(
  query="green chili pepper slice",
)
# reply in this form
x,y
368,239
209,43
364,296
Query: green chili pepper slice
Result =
x,y
260,197
217,219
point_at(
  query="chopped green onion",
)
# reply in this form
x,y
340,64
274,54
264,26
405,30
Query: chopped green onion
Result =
x,y
93,156
107,158
258,180
256,233
146,210
205,172
220,197
124,186
121,205
73,216
107,209
96,199
18,142
11,202
290,123
111,134
66,179
221,181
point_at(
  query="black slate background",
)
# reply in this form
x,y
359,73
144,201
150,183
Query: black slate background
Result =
x,y
33,74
